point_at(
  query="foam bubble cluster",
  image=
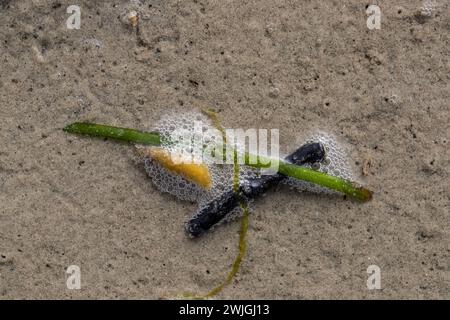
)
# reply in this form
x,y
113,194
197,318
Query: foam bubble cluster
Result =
x,y
335,163
223,174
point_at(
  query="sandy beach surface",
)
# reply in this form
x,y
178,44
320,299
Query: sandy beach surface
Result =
x,y
298,66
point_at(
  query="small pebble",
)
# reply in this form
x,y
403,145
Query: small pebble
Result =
x,y
274,92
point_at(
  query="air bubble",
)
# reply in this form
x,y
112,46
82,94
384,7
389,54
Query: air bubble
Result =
x,y
335,163
223,175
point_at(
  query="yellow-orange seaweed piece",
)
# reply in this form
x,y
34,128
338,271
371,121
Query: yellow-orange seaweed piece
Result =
x,y
194,172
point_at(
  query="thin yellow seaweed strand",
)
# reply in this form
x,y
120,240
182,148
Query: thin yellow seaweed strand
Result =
x,y
244,222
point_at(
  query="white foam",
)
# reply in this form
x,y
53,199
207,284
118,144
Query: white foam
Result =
x,y
335,164
222,175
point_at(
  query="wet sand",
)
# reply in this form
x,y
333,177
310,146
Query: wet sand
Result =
x,y
298,66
